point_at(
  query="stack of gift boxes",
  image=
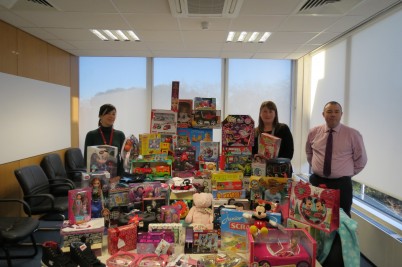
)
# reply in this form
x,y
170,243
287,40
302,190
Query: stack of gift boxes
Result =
x,y
144,213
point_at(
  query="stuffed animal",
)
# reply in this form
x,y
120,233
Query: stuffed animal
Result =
x,y
201,213
261,219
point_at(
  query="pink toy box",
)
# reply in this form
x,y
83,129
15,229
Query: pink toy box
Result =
x,y
148,241
79,205
287,247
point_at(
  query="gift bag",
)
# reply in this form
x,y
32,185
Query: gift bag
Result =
x,y
315,206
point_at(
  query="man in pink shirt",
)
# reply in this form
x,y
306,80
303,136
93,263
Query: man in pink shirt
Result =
x,y
348,154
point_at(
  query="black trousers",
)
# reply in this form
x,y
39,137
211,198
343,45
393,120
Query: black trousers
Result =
x,y
344,184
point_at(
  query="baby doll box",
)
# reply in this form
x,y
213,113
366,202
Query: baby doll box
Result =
x,y
286,247
102,158
122,238
268,145
91,231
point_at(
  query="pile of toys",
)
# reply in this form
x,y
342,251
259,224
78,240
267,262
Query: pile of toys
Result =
x,y
186,200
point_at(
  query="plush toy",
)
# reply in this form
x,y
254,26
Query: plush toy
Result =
x,y
261,219
201,213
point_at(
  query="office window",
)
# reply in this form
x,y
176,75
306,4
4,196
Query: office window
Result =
x,y
198,77
251,82
120,81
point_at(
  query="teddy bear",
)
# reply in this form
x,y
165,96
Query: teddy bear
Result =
x,y
201,213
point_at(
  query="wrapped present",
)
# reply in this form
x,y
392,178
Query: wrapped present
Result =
x,y
122,238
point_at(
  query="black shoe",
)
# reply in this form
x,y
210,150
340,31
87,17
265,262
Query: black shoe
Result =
x,y
52,256
82,254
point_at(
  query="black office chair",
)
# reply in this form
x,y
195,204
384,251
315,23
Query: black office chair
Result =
x,y
13,230
54,169
37,193
75,164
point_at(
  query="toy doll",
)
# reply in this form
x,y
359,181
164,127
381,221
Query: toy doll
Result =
x,y
78,206
97,204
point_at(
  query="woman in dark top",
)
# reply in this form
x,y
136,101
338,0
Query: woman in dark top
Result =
x,y
268,123
105,134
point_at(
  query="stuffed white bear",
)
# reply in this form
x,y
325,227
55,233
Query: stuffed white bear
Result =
x,y
201,213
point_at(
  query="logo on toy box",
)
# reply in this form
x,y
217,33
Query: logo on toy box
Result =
x,y
229,195
237,226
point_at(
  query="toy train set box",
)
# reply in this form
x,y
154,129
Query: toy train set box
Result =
x,y
285,247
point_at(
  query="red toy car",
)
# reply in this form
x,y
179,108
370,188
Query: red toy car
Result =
x,y
144,170
281,254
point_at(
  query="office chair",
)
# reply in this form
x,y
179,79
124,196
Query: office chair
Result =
x,y
37,193
54,169
75,164
13,230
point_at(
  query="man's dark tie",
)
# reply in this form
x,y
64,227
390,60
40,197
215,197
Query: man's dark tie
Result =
x,y
328,155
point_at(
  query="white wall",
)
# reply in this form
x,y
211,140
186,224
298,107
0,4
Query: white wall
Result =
x,y
363,72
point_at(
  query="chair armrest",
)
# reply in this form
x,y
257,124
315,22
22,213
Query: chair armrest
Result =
x,y
26,206
76,171
67,182
49,196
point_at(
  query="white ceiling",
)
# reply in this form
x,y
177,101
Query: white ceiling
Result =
x,y
294,33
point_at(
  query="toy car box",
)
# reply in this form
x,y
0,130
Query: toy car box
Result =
x,y
286,247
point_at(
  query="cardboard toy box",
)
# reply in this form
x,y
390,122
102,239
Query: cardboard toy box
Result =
x,y
229,193
102,158
288,247
163,121
91,231
233,230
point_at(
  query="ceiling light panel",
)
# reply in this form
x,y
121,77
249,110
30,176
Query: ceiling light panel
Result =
x,y
116,35
248,37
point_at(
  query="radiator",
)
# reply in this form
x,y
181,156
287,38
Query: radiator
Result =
x,y
381,245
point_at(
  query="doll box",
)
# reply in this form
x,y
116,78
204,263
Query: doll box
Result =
x,y
79,205
122,238
176,228
102,158
288,247
184,116
149,241
91,231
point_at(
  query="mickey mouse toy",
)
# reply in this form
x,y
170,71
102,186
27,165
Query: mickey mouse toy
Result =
x,y
261,219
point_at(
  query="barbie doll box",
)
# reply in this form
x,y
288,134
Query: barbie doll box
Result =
x,y
91,231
